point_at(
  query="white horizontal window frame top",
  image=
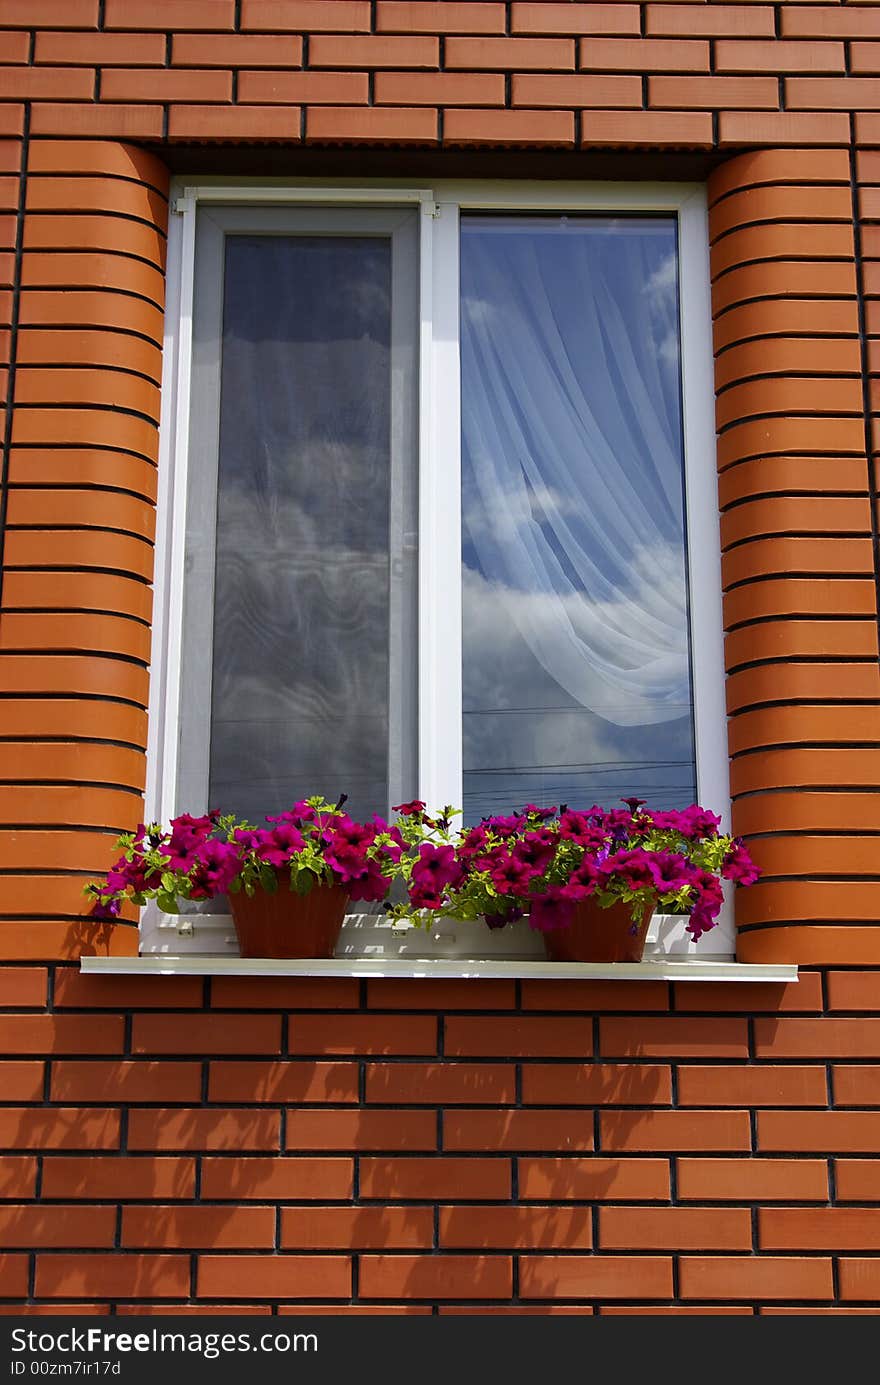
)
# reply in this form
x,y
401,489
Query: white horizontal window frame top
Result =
x,y
439,461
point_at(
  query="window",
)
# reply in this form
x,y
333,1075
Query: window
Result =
x,y
439,514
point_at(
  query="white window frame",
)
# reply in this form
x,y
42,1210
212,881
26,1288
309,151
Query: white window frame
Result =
x,y
439,466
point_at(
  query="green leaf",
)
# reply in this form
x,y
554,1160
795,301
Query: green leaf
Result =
x,y
167,902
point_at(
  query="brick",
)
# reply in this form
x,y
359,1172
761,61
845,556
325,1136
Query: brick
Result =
x,y
101,50
357,1228
853,990
732,93
820,1038
128,84
261,1180
436,1084
207,1034
777,56
710,21
56,83
566,1131
435,1179
58,1127
362,1034
354,125
644,55
284,992
50,14
858,1085
58,1227
818,1228
859,1279
540,17
431,1277
856,1180
172,1228
592,1180
737,128
14,1276
18,1176
752,1086
615,129
235,50
319,16
669,1037
559,89
674,1130
283,1081
864,57
310,88
821,21
831,93
121,1176
677,1310
515,1228
518,1037
125,1081
596,1084
595,1276
438,89
179,1128
273,1276
169,14
768,1277
22,1081
15,47
439,17
593,996
819,1132
675,1228
510,54
112,1276
537,128
374,1129
255,123
101,121
75,991
377,51
21,987
548,1309
803,994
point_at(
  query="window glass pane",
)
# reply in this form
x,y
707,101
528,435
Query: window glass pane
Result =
x,y
300,687
576,660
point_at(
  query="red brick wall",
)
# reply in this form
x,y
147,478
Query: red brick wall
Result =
x,y
536,1147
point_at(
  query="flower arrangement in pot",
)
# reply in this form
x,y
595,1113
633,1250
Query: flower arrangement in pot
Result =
x,y
288,883
589,881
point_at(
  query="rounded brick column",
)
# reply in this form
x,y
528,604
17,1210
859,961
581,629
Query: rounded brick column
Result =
x,y
798,559
78,543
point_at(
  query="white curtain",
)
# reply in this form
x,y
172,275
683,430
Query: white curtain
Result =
x,y
572,455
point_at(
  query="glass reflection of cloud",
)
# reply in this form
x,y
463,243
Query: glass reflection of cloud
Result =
x,y
576,658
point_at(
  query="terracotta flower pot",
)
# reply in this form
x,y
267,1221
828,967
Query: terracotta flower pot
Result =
x,y
599,935
286,924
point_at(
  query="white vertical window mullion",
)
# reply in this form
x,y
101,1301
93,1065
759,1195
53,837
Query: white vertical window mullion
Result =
x,y
171,507
704,533
440,754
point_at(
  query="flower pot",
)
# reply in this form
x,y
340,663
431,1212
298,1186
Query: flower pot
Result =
x,y
599,935
287,924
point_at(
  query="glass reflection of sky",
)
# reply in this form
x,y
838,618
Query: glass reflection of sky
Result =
x,y
576,664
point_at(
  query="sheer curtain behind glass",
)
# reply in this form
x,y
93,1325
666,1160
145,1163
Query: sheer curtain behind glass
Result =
x,y
576,668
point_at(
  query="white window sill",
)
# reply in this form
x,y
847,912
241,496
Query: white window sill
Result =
x,y
203,944
657,969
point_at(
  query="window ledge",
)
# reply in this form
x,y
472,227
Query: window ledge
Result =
x,y
161,964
